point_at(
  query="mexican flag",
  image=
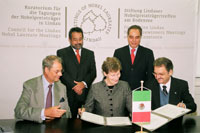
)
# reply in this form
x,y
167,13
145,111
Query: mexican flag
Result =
x,y
141,106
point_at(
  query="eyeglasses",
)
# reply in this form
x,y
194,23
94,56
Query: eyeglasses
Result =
x,y
58,71
158,74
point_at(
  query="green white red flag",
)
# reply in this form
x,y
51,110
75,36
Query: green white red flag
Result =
x,y
141,106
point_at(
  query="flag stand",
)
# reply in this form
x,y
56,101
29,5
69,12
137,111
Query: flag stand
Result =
x,y
141,125
141,130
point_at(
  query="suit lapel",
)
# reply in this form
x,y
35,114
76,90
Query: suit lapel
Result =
x,y
157,94
40,91
173,91
138,55
128,55
83,55
56,94
73,55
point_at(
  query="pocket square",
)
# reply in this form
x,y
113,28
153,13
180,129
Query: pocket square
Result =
x,y
62,100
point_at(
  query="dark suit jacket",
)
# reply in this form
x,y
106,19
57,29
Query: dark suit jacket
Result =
x,y
141,69
179,92
85,71
31,102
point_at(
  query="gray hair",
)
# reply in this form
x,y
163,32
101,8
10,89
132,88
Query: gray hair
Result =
x,y
49,60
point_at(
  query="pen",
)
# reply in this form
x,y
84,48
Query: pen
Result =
x,y
82,107
79,113
184,106
181,104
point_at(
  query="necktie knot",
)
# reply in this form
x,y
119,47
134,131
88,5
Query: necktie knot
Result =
x,y
132,50
50,86
165,90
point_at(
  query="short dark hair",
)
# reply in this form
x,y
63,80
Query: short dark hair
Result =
x,y
111,64
165,62
49,60
135,27
75,29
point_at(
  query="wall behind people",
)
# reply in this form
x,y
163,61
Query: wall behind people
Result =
x,y
30,30
198,43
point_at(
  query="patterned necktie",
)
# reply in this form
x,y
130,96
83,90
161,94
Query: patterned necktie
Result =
x,y
49,97
132,55
78,56
165,90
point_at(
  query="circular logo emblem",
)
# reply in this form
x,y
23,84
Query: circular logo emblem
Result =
x,y
95,20
141,106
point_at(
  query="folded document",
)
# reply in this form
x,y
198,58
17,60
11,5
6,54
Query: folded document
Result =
x,y
163,115
106,121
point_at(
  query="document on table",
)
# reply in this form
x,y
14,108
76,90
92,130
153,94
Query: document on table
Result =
x,y
109,121
163,115
118,121
171,111
93,118
156,122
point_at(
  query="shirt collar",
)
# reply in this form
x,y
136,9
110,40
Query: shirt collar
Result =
x,y
45,82
104,83
75,50
168,85
132,48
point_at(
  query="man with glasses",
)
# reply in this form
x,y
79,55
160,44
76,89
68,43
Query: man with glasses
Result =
x,y
44,97
167,89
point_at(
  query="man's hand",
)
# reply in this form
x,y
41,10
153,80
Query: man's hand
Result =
x,y
81,110
54,112
78,88
181,104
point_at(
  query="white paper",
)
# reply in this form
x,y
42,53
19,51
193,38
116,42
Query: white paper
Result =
x,y
90,117
163,115
171,111
118,121
110,121
156,122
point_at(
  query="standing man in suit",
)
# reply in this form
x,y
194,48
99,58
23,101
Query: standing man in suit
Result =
x,y
136,60
44,97
167,89
79,69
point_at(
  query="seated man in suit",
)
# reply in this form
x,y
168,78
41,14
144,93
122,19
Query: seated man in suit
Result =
x,y
44,97
167,89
